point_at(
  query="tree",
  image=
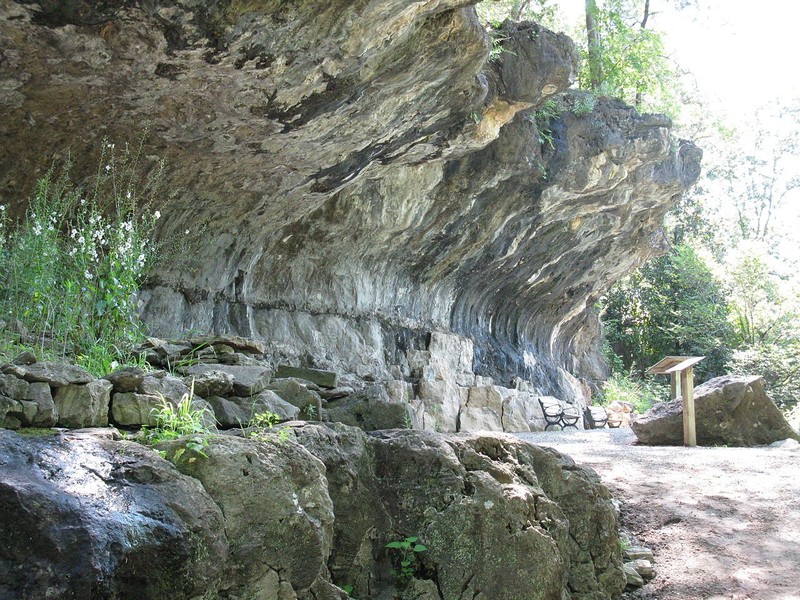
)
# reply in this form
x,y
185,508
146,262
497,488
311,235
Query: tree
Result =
x,y
766,319
766,170
672,306
626,59
593,46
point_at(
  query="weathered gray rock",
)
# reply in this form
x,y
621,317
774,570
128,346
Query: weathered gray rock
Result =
x,y
370,409
228,413
550,525
239,412
247,380
13,387
638,552
729,411
295,392
212,383
369,208
269,402
28,404
278,514
85,517
336,393
276,518
24,358
441,402
632,577
643,567
12,413
234,342
83,405
324,379
483,410
126,379
54,374
132,409
162,385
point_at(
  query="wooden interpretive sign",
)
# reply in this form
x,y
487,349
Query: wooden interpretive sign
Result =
x,y
681,372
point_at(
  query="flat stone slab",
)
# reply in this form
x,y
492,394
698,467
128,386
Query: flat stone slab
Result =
x,y
324,379
57,375
247,379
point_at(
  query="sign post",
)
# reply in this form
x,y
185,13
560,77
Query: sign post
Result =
x,y
681,372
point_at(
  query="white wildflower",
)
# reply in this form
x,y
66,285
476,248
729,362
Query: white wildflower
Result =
x,y
157,215
88,275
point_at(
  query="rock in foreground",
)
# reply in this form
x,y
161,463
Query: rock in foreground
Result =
x,y
301,517
729,411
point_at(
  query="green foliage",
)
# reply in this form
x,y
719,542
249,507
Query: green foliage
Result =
x,y
778,364
631,60
584,104
540,11
263,426
69,272
766,319
348,589
627,387
311,411
183,420
672,306
405,557
549,112
497,37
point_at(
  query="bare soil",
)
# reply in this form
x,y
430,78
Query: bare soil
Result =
x,y
723,523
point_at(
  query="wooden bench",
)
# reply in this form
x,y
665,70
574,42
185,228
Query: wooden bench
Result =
x,y
557,412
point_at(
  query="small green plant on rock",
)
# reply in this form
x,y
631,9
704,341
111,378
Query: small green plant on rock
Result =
x,y
176,421
405,557
311,411
262,425
549,112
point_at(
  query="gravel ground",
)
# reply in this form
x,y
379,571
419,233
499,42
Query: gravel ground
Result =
x,y
724,523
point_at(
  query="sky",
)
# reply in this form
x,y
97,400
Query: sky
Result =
x,y
741,53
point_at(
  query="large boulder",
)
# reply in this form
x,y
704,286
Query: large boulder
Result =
x,y
278,514
298,513
84,517
729,411
498,516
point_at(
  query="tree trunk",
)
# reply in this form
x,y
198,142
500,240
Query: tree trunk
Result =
x,y
643,25
593,45
518,9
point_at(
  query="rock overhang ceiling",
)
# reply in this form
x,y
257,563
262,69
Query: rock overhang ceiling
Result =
x,y
353,174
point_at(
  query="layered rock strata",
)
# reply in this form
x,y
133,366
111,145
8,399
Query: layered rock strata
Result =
x,y
347,177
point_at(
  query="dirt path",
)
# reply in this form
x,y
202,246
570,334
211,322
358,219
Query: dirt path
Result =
x,y
724,523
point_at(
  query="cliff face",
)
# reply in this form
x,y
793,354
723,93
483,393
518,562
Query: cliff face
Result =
x,y
353,175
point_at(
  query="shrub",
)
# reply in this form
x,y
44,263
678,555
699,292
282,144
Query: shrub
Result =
x,y
640,393
71,269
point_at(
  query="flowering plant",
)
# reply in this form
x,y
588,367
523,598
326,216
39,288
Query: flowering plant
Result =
x,y
71,270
